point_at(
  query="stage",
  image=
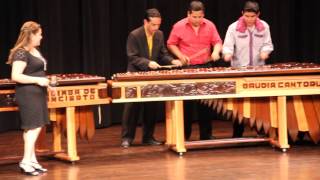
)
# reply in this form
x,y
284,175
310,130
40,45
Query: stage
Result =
x,y
103,158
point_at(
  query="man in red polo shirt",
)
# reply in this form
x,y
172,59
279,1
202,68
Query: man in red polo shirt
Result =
x,y
196,42
191,39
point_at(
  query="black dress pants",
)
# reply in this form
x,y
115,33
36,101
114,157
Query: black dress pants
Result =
x,y
194,110
135,112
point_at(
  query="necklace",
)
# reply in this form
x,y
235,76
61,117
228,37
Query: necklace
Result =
x,y
37,54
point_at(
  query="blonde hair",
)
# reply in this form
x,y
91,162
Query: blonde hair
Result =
x,y
28,28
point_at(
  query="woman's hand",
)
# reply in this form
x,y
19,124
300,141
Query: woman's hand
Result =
x,y
42,81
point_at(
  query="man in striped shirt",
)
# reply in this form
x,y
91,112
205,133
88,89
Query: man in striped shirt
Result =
x,y
247,43
248,40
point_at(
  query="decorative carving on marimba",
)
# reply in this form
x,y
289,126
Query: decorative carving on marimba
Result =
x,y
131,92
188,89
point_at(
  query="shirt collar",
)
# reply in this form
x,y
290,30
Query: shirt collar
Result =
x,y
241,26
186,22
147,35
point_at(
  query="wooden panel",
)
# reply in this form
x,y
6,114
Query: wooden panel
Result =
x,y
62,119
312,119
220,106
300,113
316,104
81,95
41,143
253,112
292,119
83,121
273,112
245,87
224,107
230,104
215,104
90,122
230,109
77,119
263,114
210,102
246,108
3,109
238,106
56,130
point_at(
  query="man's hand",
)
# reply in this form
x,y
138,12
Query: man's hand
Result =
x,y
185,60
215,56
227,57
153,65
176,62
264,55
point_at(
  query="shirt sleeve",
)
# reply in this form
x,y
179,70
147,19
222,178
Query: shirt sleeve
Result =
x,y
229,42
216,37
164,54
173,37
267,44
20,55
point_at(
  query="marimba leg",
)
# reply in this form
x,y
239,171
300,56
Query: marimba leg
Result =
x,y
169,126
178,123
71,134
55,116
282,126
71,137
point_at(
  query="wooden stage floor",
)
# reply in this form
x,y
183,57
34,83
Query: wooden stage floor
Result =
x,y
103,158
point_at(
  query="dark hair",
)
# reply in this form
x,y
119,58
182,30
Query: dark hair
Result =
x,y
196,6
151,13
251,6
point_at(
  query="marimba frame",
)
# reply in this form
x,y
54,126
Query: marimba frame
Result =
x,y
244,87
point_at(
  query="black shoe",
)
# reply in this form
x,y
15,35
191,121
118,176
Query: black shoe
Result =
x,y
125,143
151,141
27,169
207,138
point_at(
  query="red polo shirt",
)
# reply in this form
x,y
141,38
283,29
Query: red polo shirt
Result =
x,y
196,46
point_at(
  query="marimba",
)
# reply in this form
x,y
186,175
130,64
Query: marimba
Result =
x,y
274,82
70,91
